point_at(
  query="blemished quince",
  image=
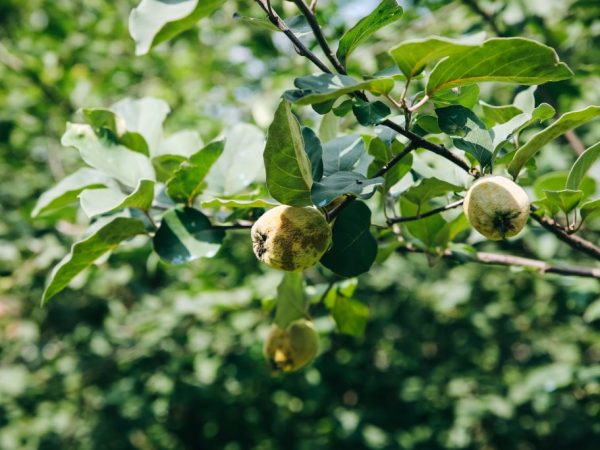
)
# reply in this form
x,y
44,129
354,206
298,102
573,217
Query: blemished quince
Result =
x,y
291,238
289,349
496,207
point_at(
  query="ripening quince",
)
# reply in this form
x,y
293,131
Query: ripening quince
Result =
x,y
291,238
289,349
496,207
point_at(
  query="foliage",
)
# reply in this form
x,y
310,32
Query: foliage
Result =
x,y
417,351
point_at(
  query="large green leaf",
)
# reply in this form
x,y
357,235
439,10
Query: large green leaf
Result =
x,y
507,60
101,201
84,253
314,150
292,303
563,124
331,187
186,234
413,55
156,21
115,160
188,181
106,121
66,191
287,165
590,209
566,199
354,248
241,162
387,12
433,231
324,87
585,161
342,154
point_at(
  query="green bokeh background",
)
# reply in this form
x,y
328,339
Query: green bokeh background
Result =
x,y
142,355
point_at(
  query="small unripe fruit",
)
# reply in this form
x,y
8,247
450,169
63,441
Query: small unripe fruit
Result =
x,y
289,349
291,238
496,207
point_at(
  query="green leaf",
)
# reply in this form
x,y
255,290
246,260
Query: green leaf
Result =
x,y
498,114
585,161
185,234
292,303
323,87
466,96
287,165
101,201
563,124
350,315
413,55
66,191
566,200
241,162
237,203
507,60
84,253
456,120
263,24
590,209
556,181
166,165
188,181
331,187
115,160
370,113
342,154
430,188
387,12
156,21
314,150
503,132
105,120
354,248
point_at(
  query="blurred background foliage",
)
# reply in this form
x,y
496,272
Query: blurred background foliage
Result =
x,y
141,355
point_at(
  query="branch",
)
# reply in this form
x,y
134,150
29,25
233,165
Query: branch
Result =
x,y
307,11
509,260
573,241
432,212
300,47
487,17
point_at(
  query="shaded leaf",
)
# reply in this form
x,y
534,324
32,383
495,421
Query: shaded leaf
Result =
x,y
314,150
331,187
566,200
350,315
370,113
186,234
354,248
430,188
342,154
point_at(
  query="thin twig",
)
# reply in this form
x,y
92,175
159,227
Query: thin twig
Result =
x,y
488,18
432,212
510,260
316,28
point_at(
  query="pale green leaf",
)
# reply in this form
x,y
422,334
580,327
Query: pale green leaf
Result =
x,y
101,201
585,161
387,12
331,187
563,124
292,303
84,253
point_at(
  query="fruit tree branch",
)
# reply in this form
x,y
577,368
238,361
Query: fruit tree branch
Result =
x,y
573,241
316,28
509,260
